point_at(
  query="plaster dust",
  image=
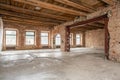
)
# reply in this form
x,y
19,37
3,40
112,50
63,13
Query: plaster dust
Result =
x,y
79,64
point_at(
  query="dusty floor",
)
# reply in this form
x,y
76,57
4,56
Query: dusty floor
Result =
x,y
79,64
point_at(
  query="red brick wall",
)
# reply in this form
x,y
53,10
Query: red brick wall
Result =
x,y
21,29
95,38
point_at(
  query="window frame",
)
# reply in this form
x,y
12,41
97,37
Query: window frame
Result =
x,y
34,37
79,39
58,38
47,36
4,37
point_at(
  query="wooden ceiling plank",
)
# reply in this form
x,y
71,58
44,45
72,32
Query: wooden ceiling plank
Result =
x,y
52,7
14,14
70,3
26,11
27,20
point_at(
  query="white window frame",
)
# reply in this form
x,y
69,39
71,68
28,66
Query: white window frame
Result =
x,y
58,38
15,35
29,35
78,38
47,37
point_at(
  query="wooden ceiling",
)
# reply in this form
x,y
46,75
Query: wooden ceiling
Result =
x,y
48,12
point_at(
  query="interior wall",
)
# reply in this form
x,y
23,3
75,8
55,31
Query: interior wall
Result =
x,y
1,32
95,38
21,29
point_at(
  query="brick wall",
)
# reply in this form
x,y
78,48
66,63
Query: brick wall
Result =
x,y
95,38
21,29
114,29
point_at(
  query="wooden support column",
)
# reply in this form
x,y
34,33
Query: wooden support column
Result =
x,y
67,42
1,33
107,38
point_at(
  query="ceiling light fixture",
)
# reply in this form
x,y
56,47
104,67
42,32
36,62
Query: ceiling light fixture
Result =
x,y
37,8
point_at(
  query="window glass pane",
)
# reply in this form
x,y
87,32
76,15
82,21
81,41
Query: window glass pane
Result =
x,y
58,40
30,37
78,39
44,34
10,37
30,33
44,38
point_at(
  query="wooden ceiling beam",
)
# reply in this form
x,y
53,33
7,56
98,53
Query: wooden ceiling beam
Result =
x,y
27,20
88,21
110,2
26,11
97,25
52,7
85,28
70,3
14,14
24,23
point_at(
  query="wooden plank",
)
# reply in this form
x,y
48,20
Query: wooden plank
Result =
x,y
27,20
26,11
70,3
14,14
52,7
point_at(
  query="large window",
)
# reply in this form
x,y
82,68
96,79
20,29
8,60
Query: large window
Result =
x,y
58,39
10,37
30,38
44,38
71,38
78,40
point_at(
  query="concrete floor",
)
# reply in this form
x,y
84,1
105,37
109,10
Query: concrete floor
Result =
x,y
79,64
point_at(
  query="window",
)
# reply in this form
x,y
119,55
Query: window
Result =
x,y
44,38
30,38
78,39
71,39
58,39
10,37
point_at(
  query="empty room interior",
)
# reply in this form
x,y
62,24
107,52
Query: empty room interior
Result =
x,y
59,40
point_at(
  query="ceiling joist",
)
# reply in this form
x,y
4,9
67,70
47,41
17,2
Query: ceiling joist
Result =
x,y
26,11
28,20
70,3
14,14
110,2
52,7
